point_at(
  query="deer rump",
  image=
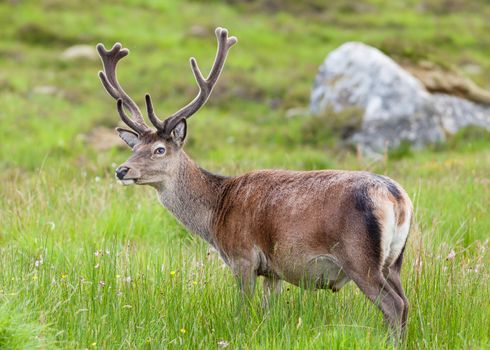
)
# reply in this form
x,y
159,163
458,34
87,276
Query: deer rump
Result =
x,y
312,228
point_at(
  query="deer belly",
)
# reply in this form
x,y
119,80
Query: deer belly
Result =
x,y
320,272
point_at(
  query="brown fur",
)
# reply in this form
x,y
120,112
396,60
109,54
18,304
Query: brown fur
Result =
x,y
280,217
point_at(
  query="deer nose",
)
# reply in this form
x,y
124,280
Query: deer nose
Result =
x,y
121,172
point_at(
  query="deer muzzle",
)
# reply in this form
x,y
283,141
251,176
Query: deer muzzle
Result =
x,y
127,175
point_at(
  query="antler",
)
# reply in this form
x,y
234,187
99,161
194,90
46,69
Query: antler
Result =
x,y
109,80
205,86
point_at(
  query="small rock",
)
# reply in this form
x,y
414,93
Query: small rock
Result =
x,y
45,90
296,112
102,139
80,52
198,31
472,68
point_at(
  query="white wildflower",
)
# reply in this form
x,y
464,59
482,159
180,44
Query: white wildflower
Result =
x,y
223,344
451,255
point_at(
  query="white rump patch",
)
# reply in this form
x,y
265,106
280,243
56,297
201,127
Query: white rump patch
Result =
x,y
393,236
400,238
388,235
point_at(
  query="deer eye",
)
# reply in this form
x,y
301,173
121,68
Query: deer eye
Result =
x,y
159,150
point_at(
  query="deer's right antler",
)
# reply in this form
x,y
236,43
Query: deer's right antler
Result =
x,y
109,80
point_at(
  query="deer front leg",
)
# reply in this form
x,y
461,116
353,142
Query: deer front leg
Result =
x,y
272,286
246,275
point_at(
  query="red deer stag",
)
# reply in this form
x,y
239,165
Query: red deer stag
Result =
x,y
319,229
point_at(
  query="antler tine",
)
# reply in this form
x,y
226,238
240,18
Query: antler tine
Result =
x,y
205,85
109,80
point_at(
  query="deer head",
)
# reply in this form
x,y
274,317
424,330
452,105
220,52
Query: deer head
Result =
x,y
156,152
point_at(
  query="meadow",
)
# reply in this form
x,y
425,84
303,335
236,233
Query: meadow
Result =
x,y
88,264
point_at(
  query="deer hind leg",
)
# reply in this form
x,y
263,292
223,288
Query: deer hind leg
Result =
x,y
392,275
377,289
393,278
272,286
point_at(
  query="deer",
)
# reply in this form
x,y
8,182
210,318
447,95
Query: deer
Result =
x,y
317,229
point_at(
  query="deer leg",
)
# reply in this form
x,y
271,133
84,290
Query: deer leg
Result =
x,y
246,276
379,291
272,286
393,278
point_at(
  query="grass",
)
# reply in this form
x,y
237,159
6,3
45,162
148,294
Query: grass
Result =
x,y
87,264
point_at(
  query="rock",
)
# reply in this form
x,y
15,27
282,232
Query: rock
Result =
x,y
396,106
199,31
46,90
102,139
438,79
472,68
80,52
296,112
456,113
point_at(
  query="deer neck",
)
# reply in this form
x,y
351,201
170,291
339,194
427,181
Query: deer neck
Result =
x,y
191,194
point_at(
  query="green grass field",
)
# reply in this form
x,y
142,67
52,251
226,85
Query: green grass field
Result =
x,y
88,264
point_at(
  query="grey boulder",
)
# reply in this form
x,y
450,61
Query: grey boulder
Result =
x,y
396,106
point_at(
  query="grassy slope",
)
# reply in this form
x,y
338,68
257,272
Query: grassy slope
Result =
x,y
59,200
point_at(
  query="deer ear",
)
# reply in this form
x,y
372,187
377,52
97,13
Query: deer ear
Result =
x,y
131,138
180,132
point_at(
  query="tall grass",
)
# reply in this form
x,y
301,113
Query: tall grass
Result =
x,y
90,264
